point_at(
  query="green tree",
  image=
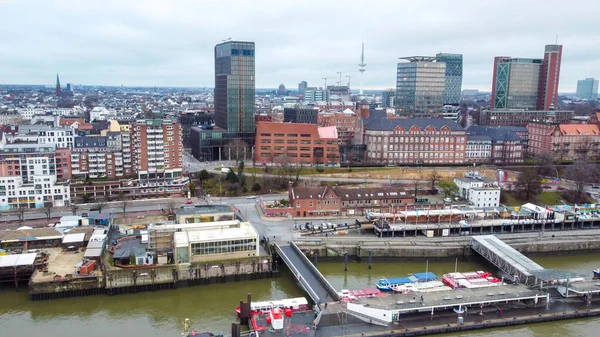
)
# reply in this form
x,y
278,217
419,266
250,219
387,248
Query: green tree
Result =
x,y
203,175
192,188
241,176
448,187
528,184
231,177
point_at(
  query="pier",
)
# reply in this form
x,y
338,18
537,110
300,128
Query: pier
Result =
x,y
311,279
521,268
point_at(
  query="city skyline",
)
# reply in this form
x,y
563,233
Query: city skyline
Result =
x,y
154,43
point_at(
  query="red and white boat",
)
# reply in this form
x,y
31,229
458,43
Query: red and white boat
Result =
x,y
470,280
298,304
276,318
352,295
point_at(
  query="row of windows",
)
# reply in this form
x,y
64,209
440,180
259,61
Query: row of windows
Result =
x,y
305,135
223,247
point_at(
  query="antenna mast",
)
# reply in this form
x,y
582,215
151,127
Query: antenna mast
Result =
x,y
362,66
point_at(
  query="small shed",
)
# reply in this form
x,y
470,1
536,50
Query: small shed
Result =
x,y
73,240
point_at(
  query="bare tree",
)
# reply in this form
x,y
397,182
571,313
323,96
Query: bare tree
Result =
x,y
581,173
171,207
124,205
21,213
545,164
48,209
74,208
528,184
583,149
236,149
433,178
100,206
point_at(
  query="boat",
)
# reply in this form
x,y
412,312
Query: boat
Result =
x,y
297,304
470,280
276,318
389,284
430,286
352,295
597,273
459,310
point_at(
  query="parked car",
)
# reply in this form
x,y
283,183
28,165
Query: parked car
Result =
x,y
189,202
546,187
447,200
560,188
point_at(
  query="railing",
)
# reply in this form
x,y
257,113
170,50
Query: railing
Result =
x,y
304,283
330,289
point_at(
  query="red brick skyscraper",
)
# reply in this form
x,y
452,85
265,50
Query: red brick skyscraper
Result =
x,y
549,77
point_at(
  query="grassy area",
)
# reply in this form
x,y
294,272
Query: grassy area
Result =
x,y
549,198
545,198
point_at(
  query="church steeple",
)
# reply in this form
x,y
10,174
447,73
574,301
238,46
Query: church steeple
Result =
x,y
58,90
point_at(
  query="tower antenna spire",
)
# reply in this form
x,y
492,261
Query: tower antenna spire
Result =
x,y
362,66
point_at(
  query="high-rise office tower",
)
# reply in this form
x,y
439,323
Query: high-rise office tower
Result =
x,y
524,83
548,97
58,90
587,89
234,86
387,98
516,83
420,84
302,87
454,72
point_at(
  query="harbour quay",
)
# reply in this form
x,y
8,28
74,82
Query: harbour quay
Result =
x,y
202,244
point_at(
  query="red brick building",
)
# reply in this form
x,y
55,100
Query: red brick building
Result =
x,y
564,141
344,201
301,144
415,141
345,123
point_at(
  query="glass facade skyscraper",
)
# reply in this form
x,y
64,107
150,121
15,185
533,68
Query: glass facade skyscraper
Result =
x,y
234,86
524,83
587,89
516,83
420,85
454,73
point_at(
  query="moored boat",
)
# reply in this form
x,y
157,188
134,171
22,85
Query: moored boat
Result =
x,y
389,284
352,295
298,304
470,280
597,273
430,286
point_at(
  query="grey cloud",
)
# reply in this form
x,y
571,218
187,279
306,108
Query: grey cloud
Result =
x,y
157,42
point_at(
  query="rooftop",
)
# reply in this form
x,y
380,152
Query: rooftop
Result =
x,y
450,298
245,230
203,209
579,129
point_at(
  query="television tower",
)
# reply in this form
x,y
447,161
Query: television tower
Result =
x,y
58,89
362,66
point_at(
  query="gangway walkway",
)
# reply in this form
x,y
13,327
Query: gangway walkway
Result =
x,y
315,284
521,268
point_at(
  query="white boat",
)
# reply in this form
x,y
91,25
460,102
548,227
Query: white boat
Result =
x,y
276,316
297,304
429,286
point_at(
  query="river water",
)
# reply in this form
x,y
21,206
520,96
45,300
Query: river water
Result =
x,y
211,308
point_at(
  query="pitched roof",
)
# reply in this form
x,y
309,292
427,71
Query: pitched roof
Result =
x,y
309,192
347,193
29,233
497,133
385,124
579,129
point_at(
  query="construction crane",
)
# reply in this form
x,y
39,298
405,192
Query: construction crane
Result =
x,y
325,79
340,82
348,82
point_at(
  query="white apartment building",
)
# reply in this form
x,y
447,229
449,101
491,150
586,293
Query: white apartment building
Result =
x,y
479,191
100,114
43,191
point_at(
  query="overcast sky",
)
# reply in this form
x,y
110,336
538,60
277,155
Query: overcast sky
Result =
x,y
170,42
